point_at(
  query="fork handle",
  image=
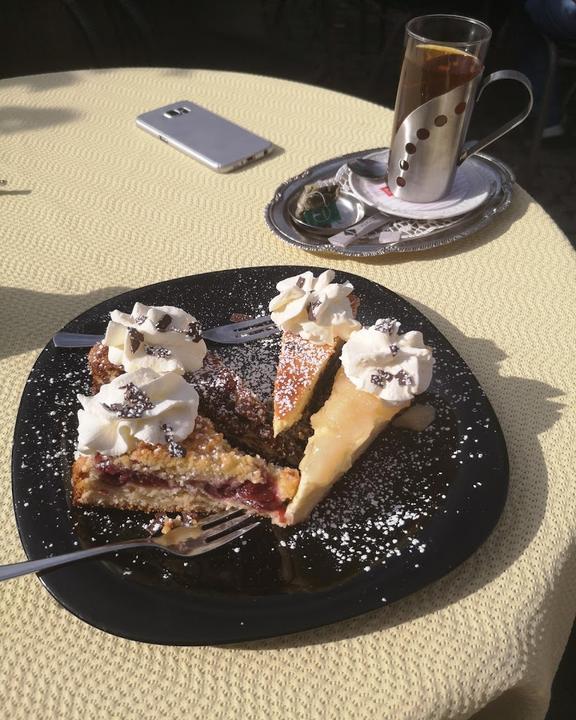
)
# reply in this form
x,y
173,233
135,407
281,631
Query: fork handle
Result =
x,y
31,566
75,340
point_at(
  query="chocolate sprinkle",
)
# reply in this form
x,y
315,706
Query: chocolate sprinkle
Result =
x,y
381,378
312,312
136,339
164,323
136,402
158,351
394,350
134,395
140,319
116,408
386,326
174,448
404,378
300,282
194,331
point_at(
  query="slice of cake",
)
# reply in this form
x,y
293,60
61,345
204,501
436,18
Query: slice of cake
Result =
x,y
381,373
243,418
142,446
316,315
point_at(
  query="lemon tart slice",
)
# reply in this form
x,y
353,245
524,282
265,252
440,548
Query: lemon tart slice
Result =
x,y
337,441
381,373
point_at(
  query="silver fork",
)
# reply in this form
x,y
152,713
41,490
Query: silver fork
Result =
x,y
211,533
231,334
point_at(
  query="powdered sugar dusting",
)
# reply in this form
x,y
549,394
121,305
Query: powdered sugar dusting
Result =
x,y
301,363
254,362
377,514
378,509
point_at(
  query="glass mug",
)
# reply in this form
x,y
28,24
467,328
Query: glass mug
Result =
x,y
442,69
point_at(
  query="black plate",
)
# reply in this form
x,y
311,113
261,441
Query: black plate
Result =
x,y
414,507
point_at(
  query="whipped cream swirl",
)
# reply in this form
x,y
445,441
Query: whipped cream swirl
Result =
x,y
139,406
315,308
163,338
393,367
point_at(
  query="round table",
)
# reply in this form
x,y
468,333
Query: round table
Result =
x,y
92,205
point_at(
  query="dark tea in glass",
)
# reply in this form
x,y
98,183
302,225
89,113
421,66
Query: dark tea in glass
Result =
x,y
432,70
438,88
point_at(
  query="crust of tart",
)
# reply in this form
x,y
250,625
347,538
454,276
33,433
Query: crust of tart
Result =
x,y
344,427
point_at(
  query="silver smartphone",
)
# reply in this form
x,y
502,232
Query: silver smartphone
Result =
x,y
214,141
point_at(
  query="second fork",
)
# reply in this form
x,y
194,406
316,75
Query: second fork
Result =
x,y
233,333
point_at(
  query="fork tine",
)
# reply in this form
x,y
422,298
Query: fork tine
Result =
x,y
207,522
253,321
237,339
261,333
256,332
255,329
225,539
222,527
242,332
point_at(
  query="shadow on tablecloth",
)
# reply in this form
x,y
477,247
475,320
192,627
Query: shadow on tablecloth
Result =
x,y
520,521
15,119
41,83
31,317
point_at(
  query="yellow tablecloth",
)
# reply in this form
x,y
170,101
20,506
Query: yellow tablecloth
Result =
x,y
92,206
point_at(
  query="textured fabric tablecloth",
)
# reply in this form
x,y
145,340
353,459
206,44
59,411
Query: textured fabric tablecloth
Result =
x,y
93,206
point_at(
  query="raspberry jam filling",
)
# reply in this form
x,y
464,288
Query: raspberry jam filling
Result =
x,y
260,496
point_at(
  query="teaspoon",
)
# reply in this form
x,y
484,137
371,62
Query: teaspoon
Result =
x,y
368,168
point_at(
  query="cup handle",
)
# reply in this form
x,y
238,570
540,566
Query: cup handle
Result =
x,y
503,129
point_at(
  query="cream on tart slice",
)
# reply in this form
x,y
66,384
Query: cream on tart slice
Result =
x,y
143,446
162,338
381,373
316,315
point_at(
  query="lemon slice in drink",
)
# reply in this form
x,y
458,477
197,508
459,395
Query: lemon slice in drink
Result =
x,y
432,51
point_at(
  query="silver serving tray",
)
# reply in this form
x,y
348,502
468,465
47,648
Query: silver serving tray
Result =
x,y
428,234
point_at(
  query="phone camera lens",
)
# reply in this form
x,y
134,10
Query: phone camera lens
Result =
x,y
184,109
171,113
